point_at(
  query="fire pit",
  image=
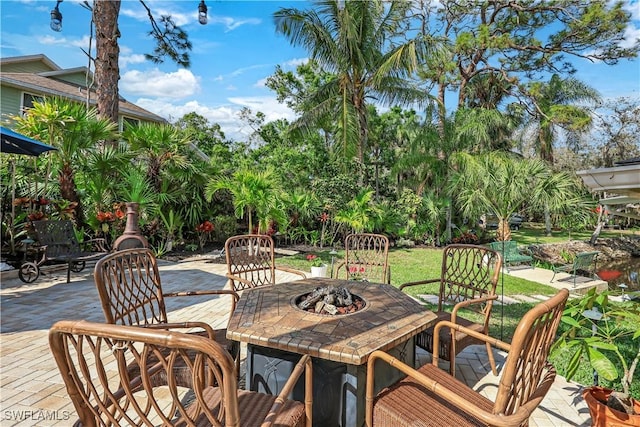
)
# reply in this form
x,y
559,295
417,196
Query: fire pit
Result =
x,y
330,300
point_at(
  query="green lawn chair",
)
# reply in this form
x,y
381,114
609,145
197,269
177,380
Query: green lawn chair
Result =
x,y
510,253
583,262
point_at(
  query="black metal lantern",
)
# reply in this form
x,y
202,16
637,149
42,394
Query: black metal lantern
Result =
x,y
56,18
202,13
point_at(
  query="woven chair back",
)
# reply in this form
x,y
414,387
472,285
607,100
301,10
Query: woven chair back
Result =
x,y
129,287
367,257
250,257
94,360
469,271
526,369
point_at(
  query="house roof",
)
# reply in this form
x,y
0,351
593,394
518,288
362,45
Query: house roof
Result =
x,y
621,185
31,58
52,82
40,84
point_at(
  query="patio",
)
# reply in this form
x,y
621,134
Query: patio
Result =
x,y
32,392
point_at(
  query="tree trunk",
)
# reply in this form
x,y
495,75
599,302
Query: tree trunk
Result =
x,y
105,16
69,192
547,221
504,232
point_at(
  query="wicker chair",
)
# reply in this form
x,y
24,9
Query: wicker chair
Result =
x,y
366,257
130,291
468,280
251,262
93,359
431,397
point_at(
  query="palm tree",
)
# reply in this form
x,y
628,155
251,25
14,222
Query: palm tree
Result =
x,y
354,40
360,213
159,147
253,191
557,106
499,183
75,131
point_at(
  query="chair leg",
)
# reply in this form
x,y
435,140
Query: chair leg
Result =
x,y
452,366
492,360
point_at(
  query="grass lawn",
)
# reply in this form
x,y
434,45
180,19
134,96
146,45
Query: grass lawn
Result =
x,y
413,264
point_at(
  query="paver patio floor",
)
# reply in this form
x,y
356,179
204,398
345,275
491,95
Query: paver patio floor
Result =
x,y
31,389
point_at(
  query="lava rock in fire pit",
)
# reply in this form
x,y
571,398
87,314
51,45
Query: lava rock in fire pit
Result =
x,y
331,300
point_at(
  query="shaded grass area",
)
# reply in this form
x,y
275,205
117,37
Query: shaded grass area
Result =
x,y
535,234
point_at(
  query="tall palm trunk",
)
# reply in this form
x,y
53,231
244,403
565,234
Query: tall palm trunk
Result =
x,y
105,16
68,192
504,232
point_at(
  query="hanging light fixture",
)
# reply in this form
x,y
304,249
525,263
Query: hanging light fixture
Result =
x,y
56,18
202,13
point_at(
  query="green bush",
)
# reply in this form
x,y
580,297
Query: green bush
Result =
x,y
224,227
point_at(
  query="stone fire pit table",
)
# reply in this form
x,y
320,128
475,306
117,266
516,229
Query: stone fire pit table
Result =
x,y
277,332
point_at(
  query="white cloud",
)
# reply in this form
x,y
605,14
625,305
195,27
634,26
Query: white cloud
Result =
x,y
293,63
272,109
136,58
82,43
631,37
179,18
128,57
231,23
239,71
155,83
227,116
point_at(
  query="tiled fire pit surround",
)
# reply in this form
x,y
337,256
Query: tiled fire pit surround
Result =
x,y
277,333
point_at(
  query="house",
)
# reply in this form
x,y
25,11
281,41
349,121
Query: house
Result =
x,y
620,189
24,79
620,186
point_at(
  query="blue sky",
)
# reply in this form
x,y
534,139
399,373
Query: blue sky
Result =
x,y
232,55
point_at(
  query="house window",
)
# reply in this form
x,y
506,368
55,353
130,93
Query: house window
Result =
x,y
28,99
128,121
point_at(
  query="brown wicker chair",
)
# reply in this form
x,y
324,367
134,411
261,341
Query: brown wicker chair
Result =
x,y
468,280
130,291
251,262
366,257
93,359
431,397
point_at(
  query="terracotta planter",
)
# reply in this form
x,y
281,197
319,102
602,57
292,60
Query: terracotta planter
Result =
x,y
602,415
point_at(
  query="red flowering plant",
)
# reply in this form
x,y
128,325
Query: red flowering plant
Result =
x,y
315,260
104,220
356,272
204,231
36,216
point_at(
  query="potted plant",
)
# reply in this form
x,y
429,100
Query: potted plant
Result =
x,y
318,267
598,330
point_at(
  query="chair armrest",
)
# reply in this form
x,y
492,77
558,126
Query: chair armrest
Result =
x,y
234,295
420,282
239,279
441,390
291,270
304,364
184,325
99,243
459,328
466,303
